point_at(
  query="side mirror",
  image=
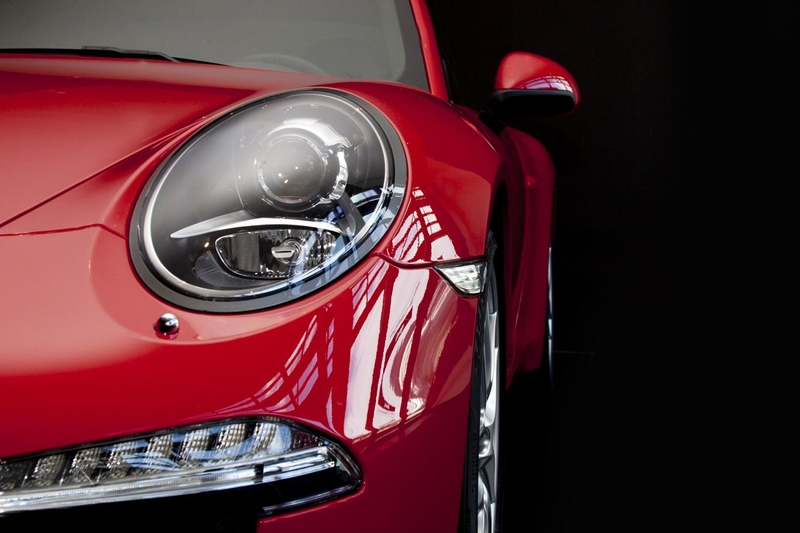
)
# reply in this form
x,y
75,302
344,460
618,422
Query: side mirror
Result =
x,y
531,85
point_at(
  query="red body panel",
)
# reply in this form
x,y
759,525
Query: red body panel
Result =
x,y
528,300
514,73
430,50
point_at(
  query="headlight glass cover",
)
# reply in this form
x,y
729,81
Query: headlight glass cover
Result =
x,y
232,454
269,202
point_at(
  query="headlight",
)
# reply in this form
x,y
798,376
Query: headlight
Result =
x,y
297,466
268,203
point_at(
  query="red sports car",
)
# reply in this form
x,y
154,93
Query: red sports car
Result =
x,y
260,272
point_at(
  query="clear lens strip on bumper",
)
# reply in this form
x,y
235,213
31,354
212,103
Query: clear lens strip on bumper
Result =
x,y
201,458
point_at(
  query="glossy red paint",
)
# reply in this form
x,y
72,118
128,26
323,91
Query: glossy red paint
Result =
x,y
430,50
522,194
528,301
523,70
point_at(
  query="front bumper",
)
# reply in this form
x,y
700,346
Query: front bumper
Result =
x,y
379,361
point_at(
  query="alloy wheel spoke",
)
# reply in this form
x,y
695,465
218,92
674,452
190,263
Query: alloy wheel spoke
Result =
x,y
488,444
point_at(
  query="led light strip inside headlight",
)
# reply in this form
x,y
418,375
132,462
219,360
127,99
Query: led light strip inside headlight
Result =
x,y
228,455
268,203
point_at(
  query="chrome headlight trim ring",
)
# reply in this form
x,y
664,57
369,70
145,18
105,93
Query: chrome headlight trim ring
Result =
x,y
255,295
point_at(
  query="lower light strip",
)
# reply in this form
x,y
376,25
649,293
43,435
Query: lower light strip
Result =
x,y
219,456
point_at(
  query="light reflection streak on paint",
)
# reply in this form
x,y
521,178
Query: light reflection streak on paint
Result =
x,y
363,355
552,83
442,319
422,227
403,319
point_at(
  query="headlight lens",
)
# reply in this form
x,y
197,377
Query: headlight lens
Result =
x,y
268,203
210,457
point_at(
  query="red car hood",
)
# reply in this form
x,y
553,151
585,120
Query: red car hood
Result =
x,y
64,119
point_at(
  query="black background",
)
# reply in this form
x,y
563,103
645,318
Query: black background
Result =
x,y
602,452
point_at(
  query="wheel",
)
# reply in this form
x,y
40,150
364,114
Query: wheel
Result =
x,y
278,61
481,503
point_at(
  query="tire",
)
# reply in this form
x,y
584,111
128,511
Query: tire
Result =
x,y
481,500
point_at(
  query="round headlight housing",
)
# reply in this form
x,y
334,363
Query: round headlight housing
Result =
x,y
268,203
